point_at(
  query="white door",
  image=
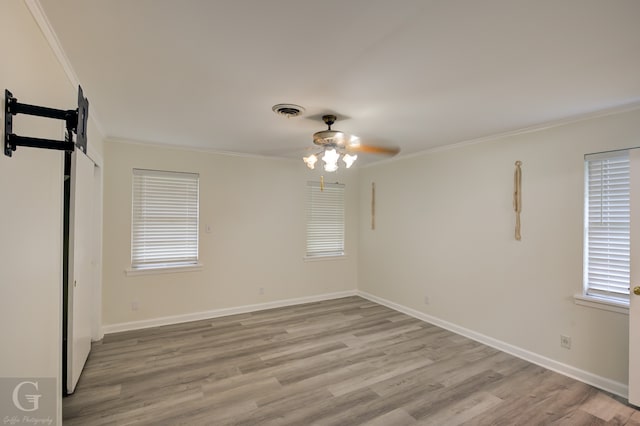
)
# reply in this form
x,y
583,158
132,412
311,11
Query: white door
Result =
x,y
634,303
81,277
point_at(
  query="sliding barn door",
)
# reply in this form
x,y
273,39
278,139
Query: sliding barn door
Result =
x,y
634,297
81,277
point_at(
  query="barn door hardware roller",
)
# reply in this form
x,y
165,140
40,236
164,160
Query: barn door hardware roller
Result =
x,y
75,119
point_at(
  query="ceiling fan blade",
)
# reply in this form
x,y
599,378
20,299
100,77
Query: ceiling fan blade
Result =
x,y
332,138
370,149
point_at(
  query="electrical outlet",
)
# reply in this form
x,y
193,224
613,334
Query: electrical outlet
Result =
x,y
134,306
426,300
261,290
565,342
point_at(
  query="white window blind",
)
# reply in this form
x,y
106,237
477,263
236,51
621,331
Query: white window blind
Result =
x,y
325,219
607,216
164,229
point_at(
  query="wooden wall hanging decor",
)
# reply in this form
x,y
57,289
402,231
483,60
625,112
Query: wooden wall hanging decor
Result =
x,y
517,197
373,205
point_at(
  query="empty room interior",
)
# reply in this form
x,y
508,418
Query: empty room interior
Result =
x,y
342,212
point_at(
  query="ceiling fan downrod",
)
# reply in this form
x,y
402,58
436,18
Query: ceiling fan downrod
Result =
x,y
329,120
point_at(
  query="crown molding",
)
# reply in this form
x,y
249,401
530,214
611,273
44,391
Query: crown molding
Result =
x,y
188,148
41,19
620,109
36,10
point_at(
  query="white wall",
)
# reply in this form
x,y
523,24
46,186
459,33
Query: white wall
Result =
x,y
31,204
256,209
445,229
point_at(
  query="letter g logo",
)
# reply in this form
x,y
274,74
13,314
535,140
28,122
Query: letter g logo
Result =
x,y
33,399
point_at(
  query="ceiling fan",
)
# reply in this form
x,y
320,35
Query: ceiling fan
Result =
x,y
336,144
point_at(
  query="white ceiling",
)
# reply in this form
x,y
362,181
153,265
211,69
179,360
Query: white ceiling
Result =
x,y
416,74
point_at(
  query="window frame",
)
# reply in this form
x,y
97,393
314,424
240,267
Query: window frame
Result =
x,y
183,206
325,195
613,201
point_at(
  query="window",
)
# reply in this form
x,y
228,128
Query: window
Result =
x,y
325,219
607,240
164,230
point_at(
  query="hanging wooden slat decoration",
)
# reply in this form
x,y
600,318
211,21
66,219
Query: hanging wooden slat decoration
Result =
x,y
517,196
373,205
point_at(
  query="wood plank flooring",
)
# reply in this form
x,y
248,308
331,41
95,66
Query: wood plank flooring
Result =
x,y
340,362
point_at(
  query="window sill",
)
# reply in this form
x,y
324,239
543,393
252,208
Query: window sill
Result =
x,y
321,258
599,303
130,272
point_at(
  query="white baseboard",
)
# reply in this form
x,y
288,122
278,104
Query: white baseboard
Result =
x,y
215,313
600,382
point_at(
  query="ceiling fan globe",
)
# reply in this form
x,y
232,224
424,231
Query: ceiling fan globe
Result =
x,y
349,159
310,161
330,159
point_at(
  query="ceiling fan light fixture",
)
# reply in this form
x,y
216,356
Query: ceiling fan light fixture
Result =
x,y
337,145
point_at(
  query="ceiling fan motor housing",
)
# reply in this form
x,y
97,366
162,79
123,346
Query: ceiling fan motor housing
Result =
x,y
329,119
330,138
340,140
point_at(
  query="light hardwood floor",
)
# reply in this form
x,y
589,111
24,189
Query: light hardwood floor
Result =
x,y
340,362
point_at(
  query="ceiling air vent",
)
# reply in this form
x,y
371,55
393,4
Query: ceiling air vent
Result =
x,y
288,110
